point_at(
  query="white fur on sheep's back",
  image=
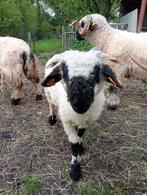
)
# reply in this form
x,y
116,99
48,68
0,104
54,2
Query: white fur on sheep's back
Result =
x,y
9,44
10,57
129,48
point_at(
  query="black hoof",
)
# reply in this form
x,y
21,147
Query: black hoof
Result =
x,y
112,108
52,120
75,173
15,101
39,97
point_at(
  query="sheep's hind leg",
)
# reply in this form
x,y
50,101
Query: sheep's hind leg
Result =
x,y
52,118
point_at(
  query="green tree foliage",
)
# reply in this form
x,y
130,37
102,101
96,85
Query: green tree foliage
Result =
x,y
9,18
71,9
19,17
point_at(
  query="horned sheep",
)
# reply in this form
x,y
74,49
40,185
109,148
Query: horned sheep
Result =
x,y
127,47
130,49
16,59
75,89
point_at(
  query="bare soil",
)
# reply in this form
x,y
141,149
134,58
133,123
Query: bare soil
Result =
x,y
116,154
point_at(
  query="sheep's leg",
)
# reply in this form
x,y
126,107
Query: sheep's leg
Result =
x,y
16,95
52,117
74,139
2,87
75,162
80,132
52,109
113,99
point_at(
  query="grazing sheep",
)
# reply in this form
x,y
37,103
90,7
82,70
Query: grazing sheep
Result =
x,y
16,59
75,90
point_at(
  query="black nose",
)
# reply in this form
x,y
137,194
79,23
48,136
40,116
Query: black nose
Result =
x,y
82,101
80,109
80,94
79,37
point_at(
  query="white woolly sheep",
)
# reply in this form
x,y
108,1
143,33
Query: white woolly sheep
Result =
x,y
75,90
129,48
16,59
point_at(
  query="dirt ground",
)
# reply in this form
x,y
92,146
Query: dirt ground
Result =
x,y
116,146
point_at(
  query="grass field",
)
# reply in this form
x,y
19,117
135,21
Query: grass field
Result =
x,y
48,45
55,46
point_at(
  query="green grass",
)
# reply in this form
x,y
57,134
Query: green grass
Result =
x,y
55,46
82,45
135,131
29,186
108,190
92,132
88,190
50,46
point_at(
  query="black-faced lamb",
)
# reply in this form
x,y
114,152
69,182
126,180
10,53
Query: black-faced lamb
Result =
x,y
75,89
16,59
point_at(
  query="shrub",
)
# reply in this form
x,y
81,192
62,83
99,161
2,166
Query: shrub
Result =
x,y
82,45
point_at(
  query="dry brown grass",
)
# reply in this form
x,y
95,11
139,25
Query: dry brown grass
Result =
x,y
116,156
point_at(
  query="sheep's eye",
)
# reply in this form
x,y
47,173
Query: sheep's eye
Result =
x,y
82,24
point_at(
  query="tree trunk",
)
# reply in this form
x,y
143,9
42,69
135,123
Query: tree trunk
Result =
x,y
23,16
39,21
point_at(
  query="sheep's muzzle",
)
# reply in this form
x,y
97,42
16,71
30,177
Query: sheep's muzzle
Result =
x,y
80,94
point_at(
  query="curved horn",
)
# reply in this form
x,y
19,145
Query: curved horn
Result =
x,y
117,68
75,23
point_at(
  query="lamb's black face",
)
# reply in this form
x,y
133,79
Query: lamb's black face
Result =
x,y
80,94
80,90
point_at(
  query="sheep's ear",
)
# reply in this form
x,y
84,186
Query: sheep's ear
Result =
x,y
52,78
110,76
92,26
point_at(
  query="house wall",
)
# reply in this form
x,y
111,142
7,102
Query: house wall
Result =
x,y
131,20
130,5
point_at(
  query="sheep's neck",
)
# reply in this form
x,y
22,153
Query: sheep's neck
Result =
x,y
101,39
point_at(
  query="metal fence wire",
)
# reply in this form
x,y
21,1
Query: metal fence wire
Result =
x,y
69,36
